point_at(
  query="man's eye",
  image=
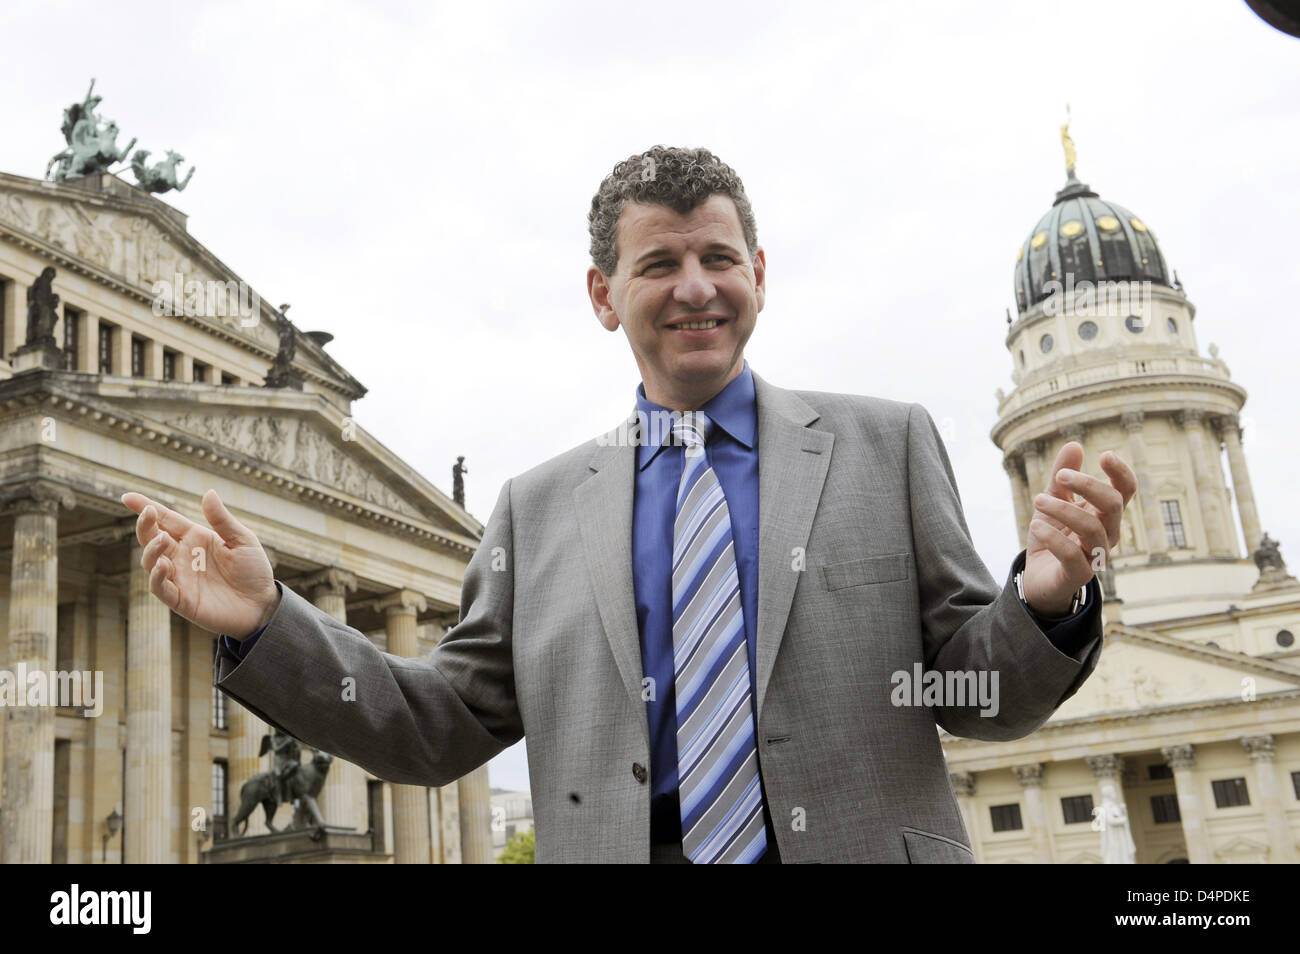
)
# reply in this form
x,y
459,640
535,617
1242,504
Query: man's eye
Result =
x,y
657,265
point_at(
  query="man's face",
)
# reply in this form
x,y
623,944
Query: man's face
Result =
x,y
674,270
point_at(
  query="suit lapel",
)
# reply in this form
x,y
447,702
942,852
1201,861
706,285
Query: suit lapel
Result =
x,y
604,507
792,463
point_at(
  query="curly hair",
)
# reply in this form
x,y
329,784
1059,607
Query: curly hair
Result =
x,y
663,175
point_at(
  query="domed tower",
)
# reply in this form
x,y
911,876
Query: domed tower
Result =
x,y
1104,352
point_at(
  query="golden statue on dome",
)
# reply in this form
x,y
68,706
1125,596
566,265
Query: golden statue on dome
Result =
x,y
1068,143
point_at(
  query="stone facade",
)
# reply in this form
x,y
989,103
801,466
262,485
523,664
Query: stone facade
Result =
x,y
170,402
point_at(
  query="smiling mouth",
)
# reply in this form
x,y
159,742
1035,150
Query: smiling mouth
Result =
x,y
697,325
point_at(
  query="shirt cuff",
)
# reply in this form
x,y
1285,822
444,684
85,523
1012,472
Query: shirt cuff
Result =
x,y
1070,633
243,647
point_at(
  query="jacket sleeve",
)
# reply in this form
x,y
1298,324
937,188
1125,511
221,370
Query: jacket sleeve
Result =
x,y
969,625
423,721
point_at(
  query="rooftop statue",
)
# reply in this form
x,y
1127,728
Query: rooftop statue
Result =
x,y
161,176
92,144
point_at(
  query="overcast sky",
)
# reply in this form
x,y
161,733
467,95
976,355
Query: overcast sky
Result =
x,y
414,178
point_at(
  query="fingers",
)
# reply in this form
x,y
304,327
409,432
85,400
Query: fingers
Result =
x,y
1071,557
1069,457
161,585
224,523
1066,517
1108,501
154,515
1121,475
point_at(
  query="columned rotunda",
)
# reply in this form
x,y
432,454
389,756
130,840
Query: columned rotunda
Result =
x,y
1193,713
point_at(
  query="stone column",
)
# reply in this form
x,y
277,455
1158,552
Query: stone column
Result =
x,y
1031,779
27,804
104,768
15,309
963,785
1020,497
410,802
475,817
449,812
1031,452
1152,521
1218,543
147,828
1182,759
343,800
1109,769
1280,836
1230,432
196,773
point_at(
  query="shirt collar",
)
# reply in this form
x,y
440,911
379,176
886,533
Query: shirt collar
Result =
x,y
732,409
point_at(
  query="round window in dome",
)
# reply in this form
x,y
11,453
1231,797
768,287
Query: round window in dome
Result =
x,y
1045,343
1072,228
1020,253
1138,224
1172,326
1039,240
1108,223
1088,330
1134,324
1285,638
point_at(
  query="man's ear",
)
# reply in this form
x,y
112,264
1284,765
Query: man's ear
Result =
x,y
760,279
598,291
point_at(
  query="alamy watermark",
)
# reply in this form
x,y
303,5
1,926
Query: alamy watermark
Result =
x,y
208,299
1086,297
55,687
955,688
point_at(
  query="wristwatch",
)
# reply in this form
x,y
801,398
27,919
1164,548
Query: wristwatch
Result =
x,y
1080,598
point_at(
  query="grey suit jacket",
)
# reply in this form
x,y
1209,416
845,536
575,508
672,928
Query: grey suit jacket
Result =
x,y
866,569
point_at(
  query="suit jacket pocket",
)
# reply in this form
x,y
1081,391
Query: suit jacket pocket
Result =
x,y
927,848
878,569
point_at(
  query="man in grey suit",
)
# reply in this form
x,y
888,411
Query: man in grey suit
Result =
x,y
728,626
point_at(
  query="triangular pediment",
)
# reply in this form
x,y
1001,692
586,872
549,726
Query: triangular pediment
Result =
x,y
138,244
1142,669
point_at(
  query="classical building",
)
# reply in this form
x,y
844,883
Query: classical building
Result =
x,y
1193,713
131,358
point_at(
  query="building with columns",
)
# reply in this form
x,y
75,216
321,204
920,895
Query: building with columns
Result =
x,y
1193,712
158,370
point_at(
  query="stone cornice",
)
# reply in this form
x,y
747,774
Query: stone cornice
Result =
x,y
40,393
35,495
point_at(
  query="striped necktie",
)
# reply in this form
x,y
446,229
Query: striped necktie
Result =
x,y
717,761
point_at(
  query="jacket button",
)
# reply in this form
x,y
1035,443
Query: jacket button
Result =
x,y
638,772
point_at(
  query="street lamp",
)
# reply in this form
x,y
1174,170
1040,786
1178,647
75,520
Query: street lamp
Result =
x,y
114,823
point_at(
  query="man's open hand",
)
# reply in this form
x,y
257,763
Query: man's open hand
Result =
x,y
1066,539
221,581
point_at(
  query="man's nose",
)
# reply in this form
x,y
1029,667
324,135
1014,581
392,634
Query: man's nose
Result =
x,y
695,288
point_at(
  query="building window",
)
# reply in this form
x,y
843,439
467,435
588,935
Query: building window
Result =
x,y
1022,357
137,357
3,296
1045,343
71,333
1230,792
105,348
1285,638
220,774
1006,817
219,720
200,372
1077,809
1172,326
1295,783
1158,771
227,379
169,365
1135,324
1088,330
1164,809
1173,523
